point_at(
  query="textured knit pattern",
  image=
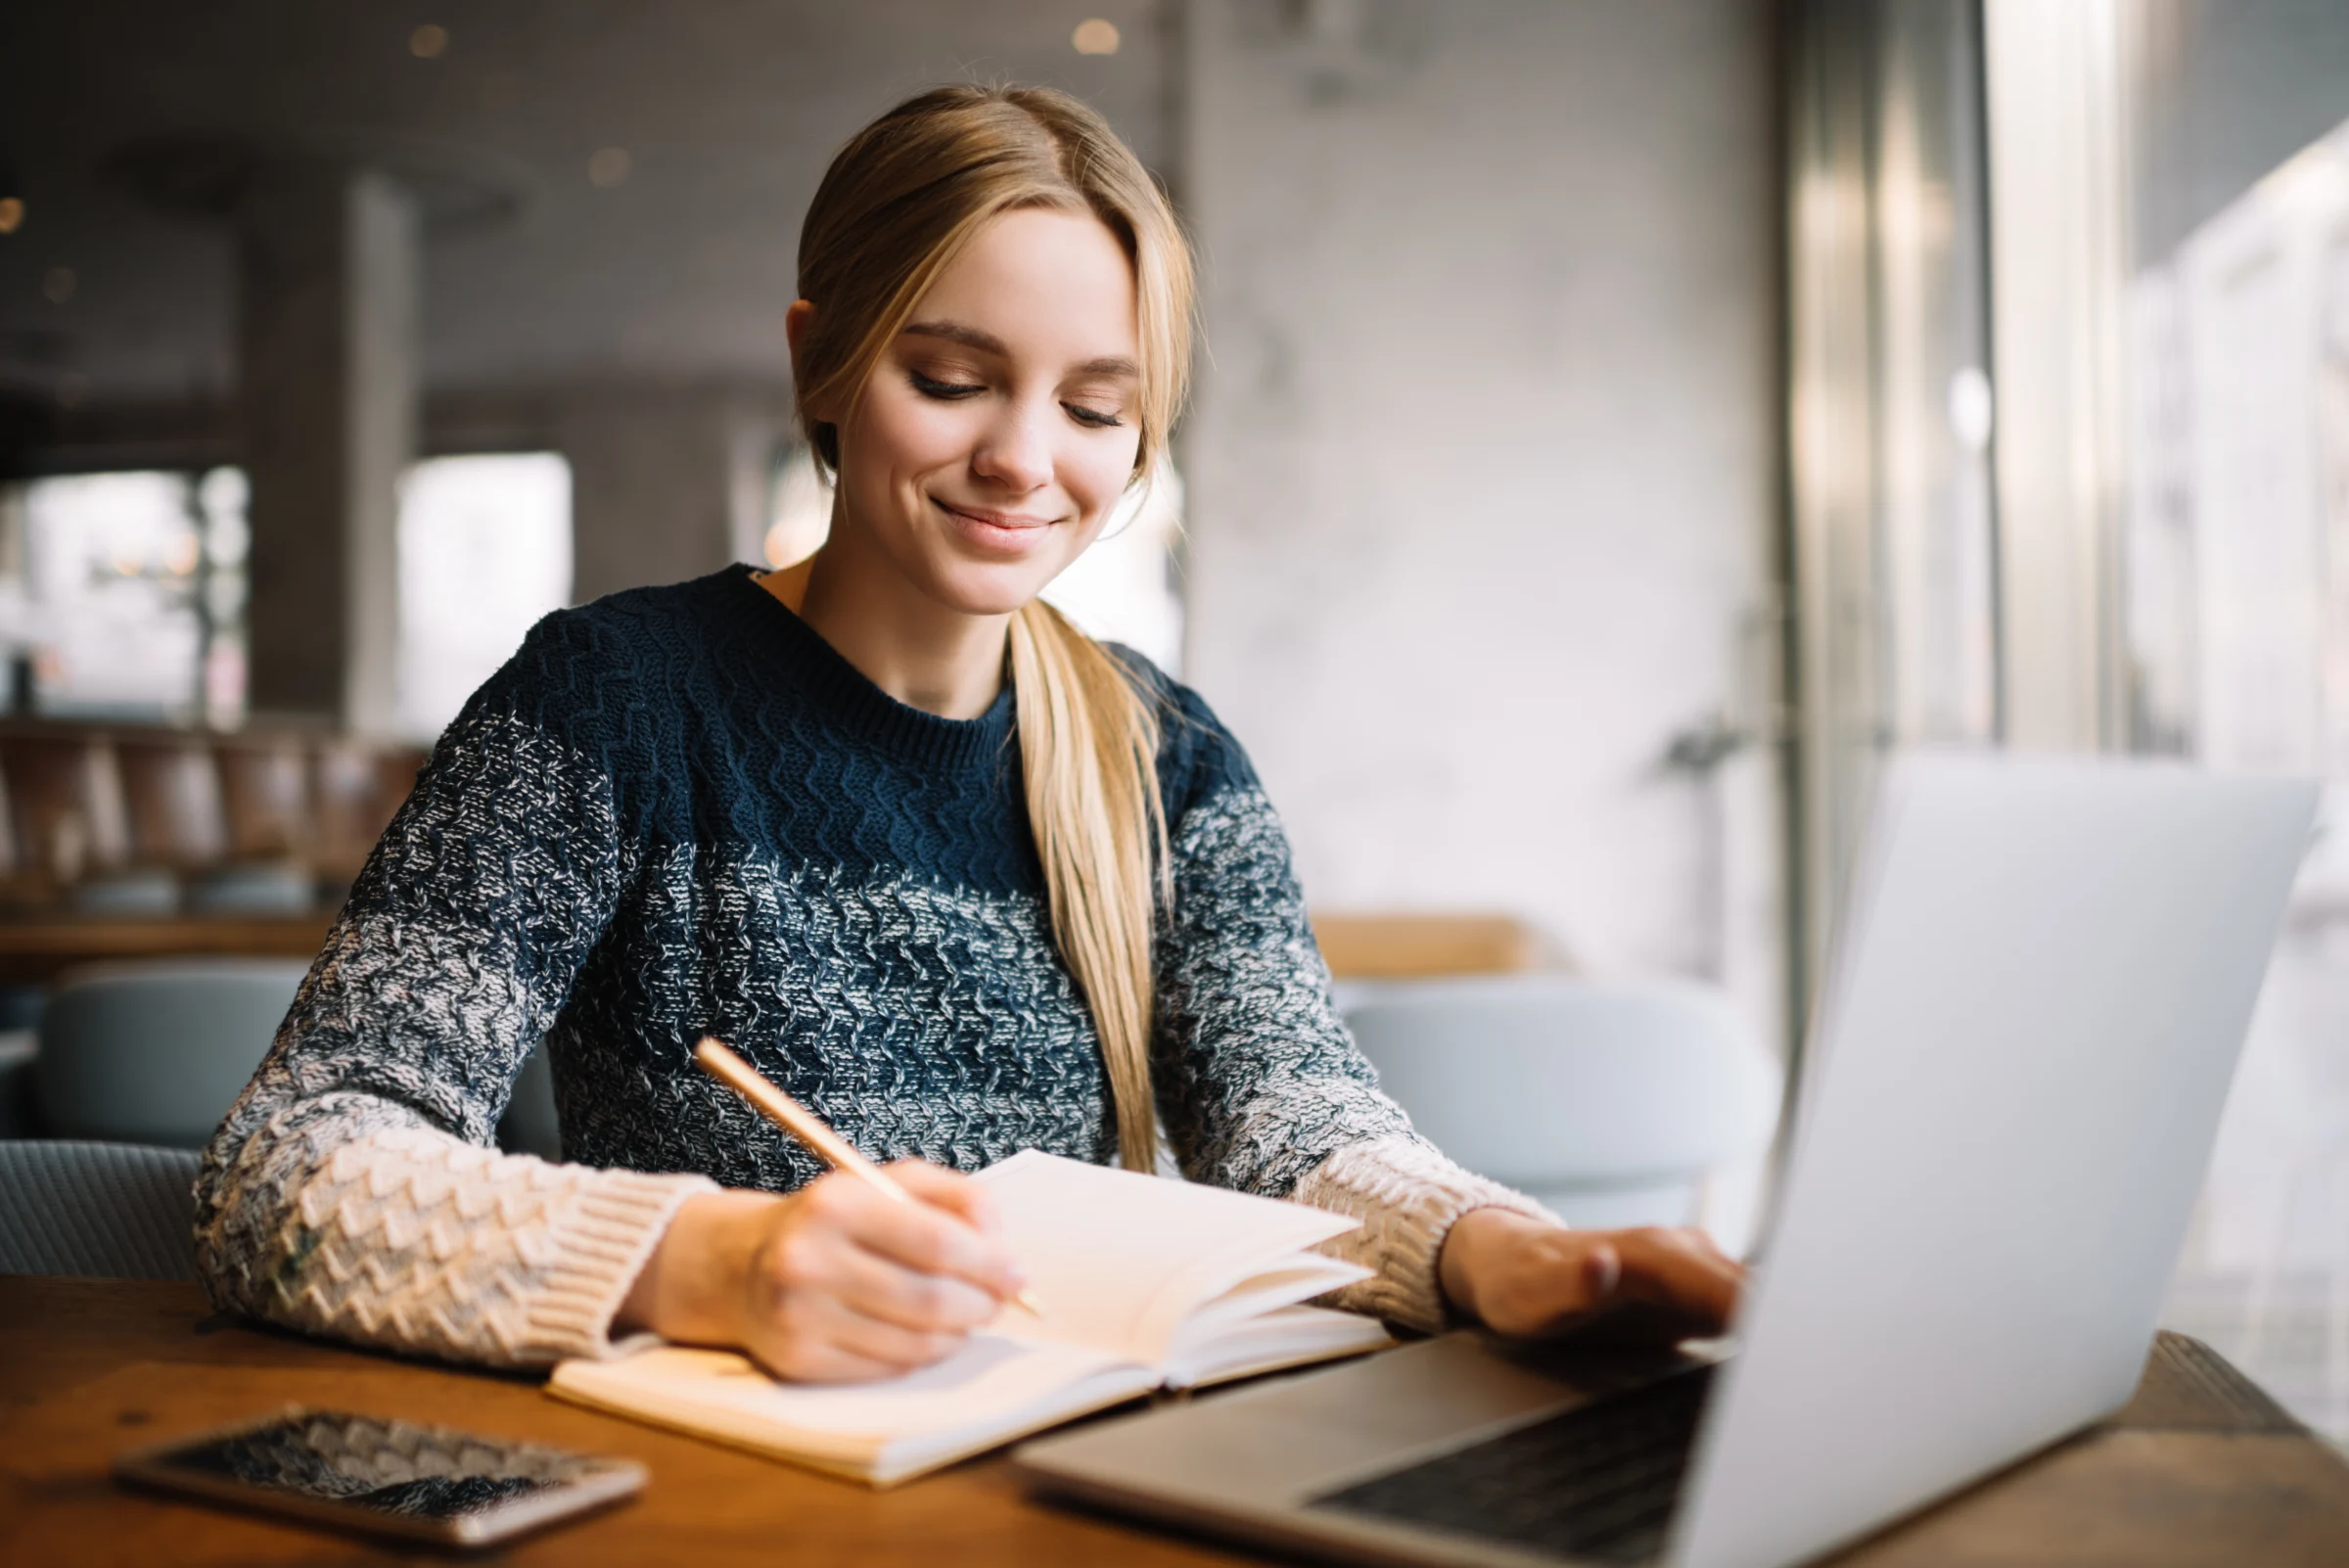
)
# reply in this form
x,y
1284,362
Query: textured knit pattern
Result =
x,y
1406,1195
678,811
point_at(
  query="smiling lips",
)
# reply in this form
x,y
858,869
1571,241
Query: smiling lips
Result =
x,y
996,533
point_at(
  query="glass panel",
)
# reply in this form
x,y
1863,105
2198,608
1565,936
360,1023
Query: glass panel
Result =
x,y
2235,602
103,594
1891,413
485,551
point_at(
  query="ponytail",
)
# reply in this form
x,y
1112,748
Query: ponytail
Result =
x,y
1088,746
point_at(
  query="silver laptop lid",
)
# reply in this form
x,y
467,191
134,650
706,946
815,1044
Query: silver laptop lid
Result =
x,y
2025,1043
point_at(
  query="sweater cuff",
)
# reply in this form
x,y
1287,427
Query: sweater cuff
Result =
x,y
593,1254
1406,1195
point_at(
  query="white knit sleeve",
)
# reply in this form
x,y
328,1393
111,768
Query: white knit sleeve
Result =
x,y
354,1218
1407,1194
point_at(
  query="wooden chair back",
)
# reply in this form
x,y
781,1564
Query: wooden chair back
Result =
x,y
171,788
265,784
65,793
357,787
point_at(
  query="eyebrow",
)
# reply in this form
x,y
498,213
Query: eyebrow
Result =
x,y
986,342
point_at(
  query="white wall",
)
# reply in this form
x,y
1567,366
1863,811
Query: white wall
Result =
x,y
1481,459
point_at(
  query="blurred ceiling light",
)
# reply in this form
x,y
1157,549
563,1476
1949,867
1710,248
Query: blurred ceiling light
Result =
x,y
57,285
1095,36
608,167
12,213
429,42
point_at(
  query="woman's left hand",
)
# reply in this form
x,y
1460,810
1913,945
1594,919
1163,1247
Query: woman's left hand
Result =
x,y
1521,1275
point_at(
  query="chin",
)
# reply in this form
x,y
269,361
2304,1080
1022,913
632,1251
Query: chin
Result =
x,y
983,592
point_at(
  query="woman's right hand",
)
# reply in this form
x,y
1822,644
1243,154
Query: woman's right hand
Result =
x,y
834,1283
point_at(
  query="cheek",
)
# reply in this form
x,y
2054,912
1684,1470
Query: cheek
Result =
x,y
1096,474
901,435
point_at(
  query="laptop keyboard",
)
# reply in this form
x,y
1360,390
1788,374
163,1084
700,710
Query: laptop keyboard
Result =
x,y
1598,1480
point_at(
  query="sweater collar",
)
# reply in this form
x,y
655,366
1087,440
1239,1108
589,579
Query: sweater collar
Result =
x,y
848,697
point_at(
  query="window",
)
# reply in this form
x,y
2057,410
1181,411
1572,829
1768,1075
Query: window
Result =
x,y
485,551
122,596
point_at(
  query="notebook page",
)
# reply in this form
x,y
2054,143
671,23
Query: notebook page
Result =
x,y
1286,1336
1117,1258
990,1391
1284,1284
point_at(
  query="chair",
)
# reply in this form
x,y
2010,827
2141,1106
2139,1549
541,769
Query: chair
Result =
x,y
179,823
531,1125
1612,1102
265,786
357,785
155,1052
70,827
110,1211
171,790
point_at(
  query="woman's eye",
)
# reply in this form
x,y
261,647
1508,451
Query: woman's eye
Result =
x,y
946,391
1093,417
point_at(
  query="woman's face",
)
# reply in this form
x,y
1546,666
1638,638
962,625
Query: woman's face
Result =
x,y
1001,426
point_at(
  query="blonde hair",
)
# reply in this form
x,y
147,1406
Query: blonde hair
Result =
x,y
899,203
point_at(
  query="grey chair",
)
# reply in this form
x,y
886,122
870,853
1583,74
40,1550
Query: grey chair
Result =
x,y
108,1211
1615,1103
531,1125
155,1052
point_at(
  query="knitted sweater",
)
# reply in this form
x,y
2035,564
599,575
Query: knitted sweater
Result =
x,y
678,811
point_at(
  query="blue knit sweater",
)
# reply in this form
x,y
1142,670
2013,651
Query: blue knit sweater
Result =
x,y
678,811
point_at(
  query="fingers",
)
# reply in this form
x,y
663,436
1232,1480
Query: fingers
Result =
x,y
851,1283
953,1228
1680,1269
924,1236
832,1313
1602,1271
879,1288
952,1191
809,1358
885,1344
1675,1283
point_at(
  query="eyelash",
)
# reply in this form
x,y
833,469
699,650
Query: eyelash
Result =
x,y
954,391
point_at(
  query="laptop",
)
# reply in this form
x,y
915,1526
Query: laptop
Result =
x,y
2016,1073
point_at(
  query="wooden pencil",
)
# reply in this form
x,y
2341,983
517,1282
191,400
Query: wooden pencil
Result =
x,y
720,1063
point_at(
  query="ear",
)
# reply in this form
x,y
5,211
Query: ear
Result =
x,y
797,322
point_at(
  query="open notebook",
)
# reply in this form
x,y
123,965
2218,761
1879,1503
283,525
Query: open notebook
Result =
x,y
1144,1282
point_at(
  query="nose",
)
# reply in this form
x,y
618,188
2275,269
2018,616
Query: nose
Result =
x,y
1016,451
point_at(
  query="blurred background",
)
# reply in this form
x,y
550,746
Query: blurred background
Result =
x,y
1620,428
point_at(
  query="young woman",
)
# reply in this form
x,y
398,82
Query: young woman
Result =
x,y
958,878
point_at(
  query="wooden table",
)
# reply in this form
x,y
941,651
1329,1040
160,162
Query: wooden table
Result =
x,y
2200,1469
35,948
33,952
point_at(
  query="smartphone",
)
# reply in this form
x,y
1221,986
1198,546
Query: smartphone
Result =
x,y
388,1477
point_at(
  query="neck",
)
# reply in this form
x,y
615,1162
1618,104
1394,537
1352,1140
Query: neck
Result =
x,y
921,652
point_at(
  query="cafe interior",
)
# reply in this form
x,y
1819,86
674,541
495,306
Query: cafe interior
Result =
x,y
1617,432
